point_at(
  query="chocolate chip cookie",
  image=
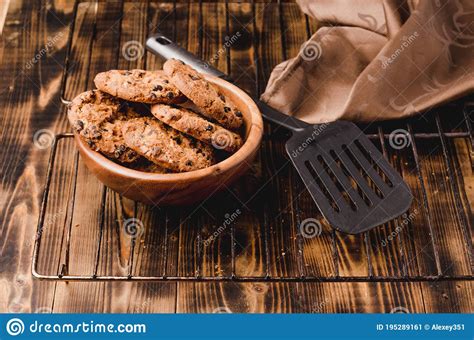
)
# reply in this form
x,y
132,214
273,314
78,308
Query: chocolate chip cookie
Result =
x,y
193,124
98,117
141,86
112,144
205,95
165,146
145,165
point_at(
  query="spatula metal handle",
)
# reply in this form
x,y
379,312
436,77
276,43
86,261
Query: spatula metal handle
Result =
x,y
163,46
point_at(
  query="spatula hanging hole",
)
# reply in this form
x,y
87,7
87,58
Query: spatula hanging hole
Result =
x,y
351,179
336,182
369,180
373,163
321,186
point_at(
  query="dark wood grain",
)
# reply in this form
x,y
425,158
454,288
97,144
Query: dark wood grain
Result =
x,y
271,198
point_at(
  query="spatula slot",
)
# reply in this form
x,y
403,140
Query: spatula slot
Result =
x,y
336,182
374,164
321,186
352,181
359,167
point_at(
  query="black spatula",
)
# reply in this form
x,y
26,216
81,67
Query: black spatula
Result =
x,y
351,182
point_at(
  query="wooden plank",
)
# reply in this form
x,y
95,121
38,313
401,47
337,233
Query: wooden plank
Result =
x,y
276,192
461,159
204,234
162,18
448,297
361,298
442,209
25,76
81,48
316,245
231,297
90,193
416,234
223,208
248,230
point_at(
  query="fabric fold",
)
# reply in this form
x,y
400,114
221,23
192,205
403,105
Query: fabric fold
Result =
x,y
377,60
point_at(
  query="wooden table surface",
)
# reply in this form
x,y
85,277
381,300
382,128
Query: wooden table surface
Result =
x,y
271,197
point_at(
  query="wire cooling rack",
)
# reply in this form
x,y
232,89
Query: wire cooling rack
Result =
x,y
54,262
443,138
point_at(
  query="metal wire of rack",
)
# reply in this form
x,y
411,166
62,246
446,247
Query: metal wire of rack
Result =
x,y
463,131
63,273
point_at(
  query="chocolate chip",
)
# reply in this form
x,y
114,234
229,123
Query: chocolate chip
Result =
x,y
166,81
226,108
158,88
238,113
78,125
178,140
209,128
222,97
189,163
193,77
170,95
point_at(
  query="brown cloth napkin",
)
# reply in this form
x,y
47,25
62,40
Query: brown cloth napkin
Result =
x,y
377,60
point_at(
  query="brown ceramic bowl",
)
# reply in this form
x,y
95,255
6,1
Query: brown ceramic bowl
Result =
x,y
186,187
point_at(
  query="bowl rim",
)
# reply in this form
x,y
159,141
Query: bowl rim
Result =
x,y
251,144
